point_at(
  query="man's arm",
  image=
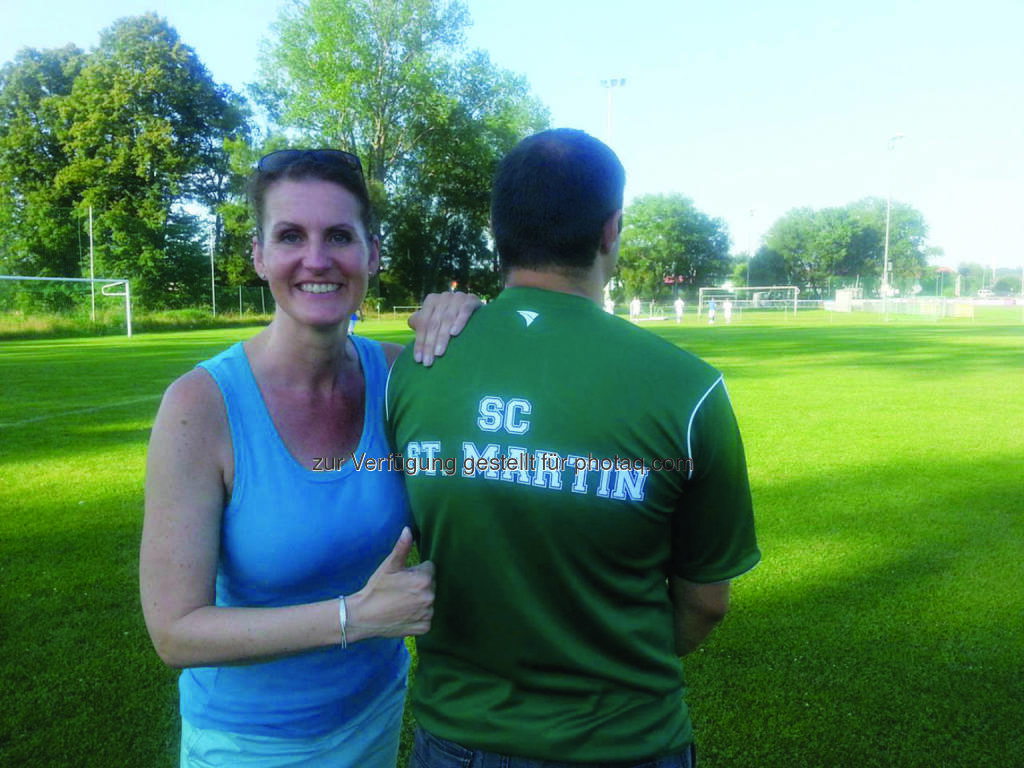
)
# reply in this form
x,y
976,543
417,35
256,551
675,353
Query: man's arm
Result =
x,y
697,609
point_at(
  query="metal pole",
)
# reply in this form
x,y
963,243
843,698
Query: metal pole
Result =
x,y
128,306
239,301
608,117
213,285
614,82
750,244
888,212
92,268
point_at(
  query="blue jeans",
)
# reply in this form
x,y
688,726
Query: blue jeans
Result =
x,y
429,751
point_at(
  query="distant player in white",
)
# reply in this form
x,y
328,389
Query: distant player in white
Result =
x,y
727,310
679,305
634,308
711,312
609,306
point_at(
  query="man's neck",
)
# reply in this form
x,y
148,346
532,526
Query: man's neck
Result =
x,y
585,283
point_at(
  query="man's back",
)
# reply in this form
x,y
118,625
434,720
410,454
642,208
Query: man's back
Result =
x,y
591,460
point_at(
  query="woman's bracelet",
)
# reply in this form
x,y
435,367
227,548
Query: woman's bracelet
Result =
x,y
342,619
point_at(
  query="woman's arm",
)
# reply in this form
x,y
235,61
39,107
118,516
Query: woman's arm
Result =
x,y
188,452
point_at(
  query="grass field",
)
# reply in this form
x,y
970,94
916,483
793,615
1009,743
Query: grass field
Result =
x,y
885,626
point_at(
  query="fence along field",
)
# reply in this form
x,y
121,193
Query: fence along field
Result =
x,y
883,627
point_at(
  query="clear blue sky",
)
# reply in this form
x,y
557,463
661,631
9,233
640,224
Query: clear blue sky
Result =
x,y
741,105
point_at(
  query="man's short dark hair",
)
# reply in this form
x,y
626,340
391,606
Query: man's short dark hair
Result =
x,y
551,197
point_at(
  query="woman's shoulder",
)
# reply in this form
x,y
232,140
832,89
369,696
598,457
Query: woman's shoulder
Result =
x,y
391,352
190,433
193,401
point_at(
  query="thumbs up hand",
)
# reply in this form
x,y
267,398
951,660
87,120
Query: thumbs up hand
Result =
x,y
396,601
395,562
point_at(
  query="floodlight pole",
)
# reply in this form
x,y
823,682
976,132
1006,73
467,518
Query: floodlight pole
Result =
x,y
888,216
615,82
213,285
750,244
92,270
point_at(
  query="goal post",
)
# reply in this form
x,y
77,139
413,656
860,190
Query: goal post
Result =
x,y
112,287
768,297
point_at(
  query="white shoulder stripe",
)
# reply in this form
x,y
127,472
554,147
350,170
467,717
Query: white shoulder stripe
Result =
x,y
387,388
689,426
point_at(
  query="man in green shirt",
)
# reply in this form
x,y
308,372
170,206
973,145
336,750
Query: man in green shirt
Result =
x,y
579,484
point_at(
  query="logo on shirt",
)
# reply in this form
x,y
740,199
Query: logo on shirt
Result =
x,y
621,479
528,316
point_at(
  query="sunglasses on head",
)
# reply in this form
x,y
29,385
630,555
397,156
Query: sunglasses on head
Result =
x,y
281,159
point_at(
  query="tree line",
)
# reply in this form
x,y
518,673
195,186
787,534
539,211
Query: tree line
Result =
x,y
669,247
820,250
138,132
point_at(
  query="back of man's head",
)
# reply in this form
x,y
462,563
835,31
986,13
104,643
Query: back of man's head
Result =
x,y
552,195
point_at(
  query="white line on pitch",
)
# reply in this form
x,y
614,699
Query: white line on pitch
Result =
x,y
36,419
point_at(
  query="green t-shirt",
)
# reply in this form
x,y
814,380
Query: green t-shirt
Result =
x,y
561,463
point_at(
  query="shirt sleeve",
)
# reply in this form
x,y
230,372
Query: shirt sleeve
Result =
x,y
713,536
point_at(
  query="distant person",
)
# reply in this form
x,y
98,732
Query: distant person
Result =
x,y
352,322
711,312
679,305
727,310
634,308
574,563
609,306
272,571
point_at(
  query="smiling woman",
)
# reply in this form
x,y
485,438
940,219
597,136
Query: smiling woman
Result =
x,y
317,254
280,589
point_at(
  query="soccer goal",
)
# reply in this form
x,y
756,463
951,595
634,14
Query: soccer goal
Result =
x,y
109,287
748,297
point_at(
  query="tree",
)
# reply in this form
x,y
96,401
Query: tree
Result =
x,y
39,223
144,131
1008,285
665,236
908,234
447,199
364,74
972,277
740,269
817,246
819,250
386,79
768,268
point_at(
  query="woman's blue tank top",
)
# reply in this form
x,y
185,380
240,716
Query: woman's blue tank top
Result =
x,y
291,534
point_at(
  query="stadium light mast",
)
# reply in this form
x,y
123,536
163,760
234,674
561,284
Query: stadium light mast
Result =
x,y
213,284
750,244
888,216
92,270
615,82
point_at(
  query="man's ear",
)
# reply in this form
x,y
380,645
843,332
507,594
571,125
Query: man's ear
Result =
x,y
611,232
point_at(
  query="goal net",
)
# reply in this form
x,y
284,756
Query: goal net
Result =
x,y
749,297
101,301
925,306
